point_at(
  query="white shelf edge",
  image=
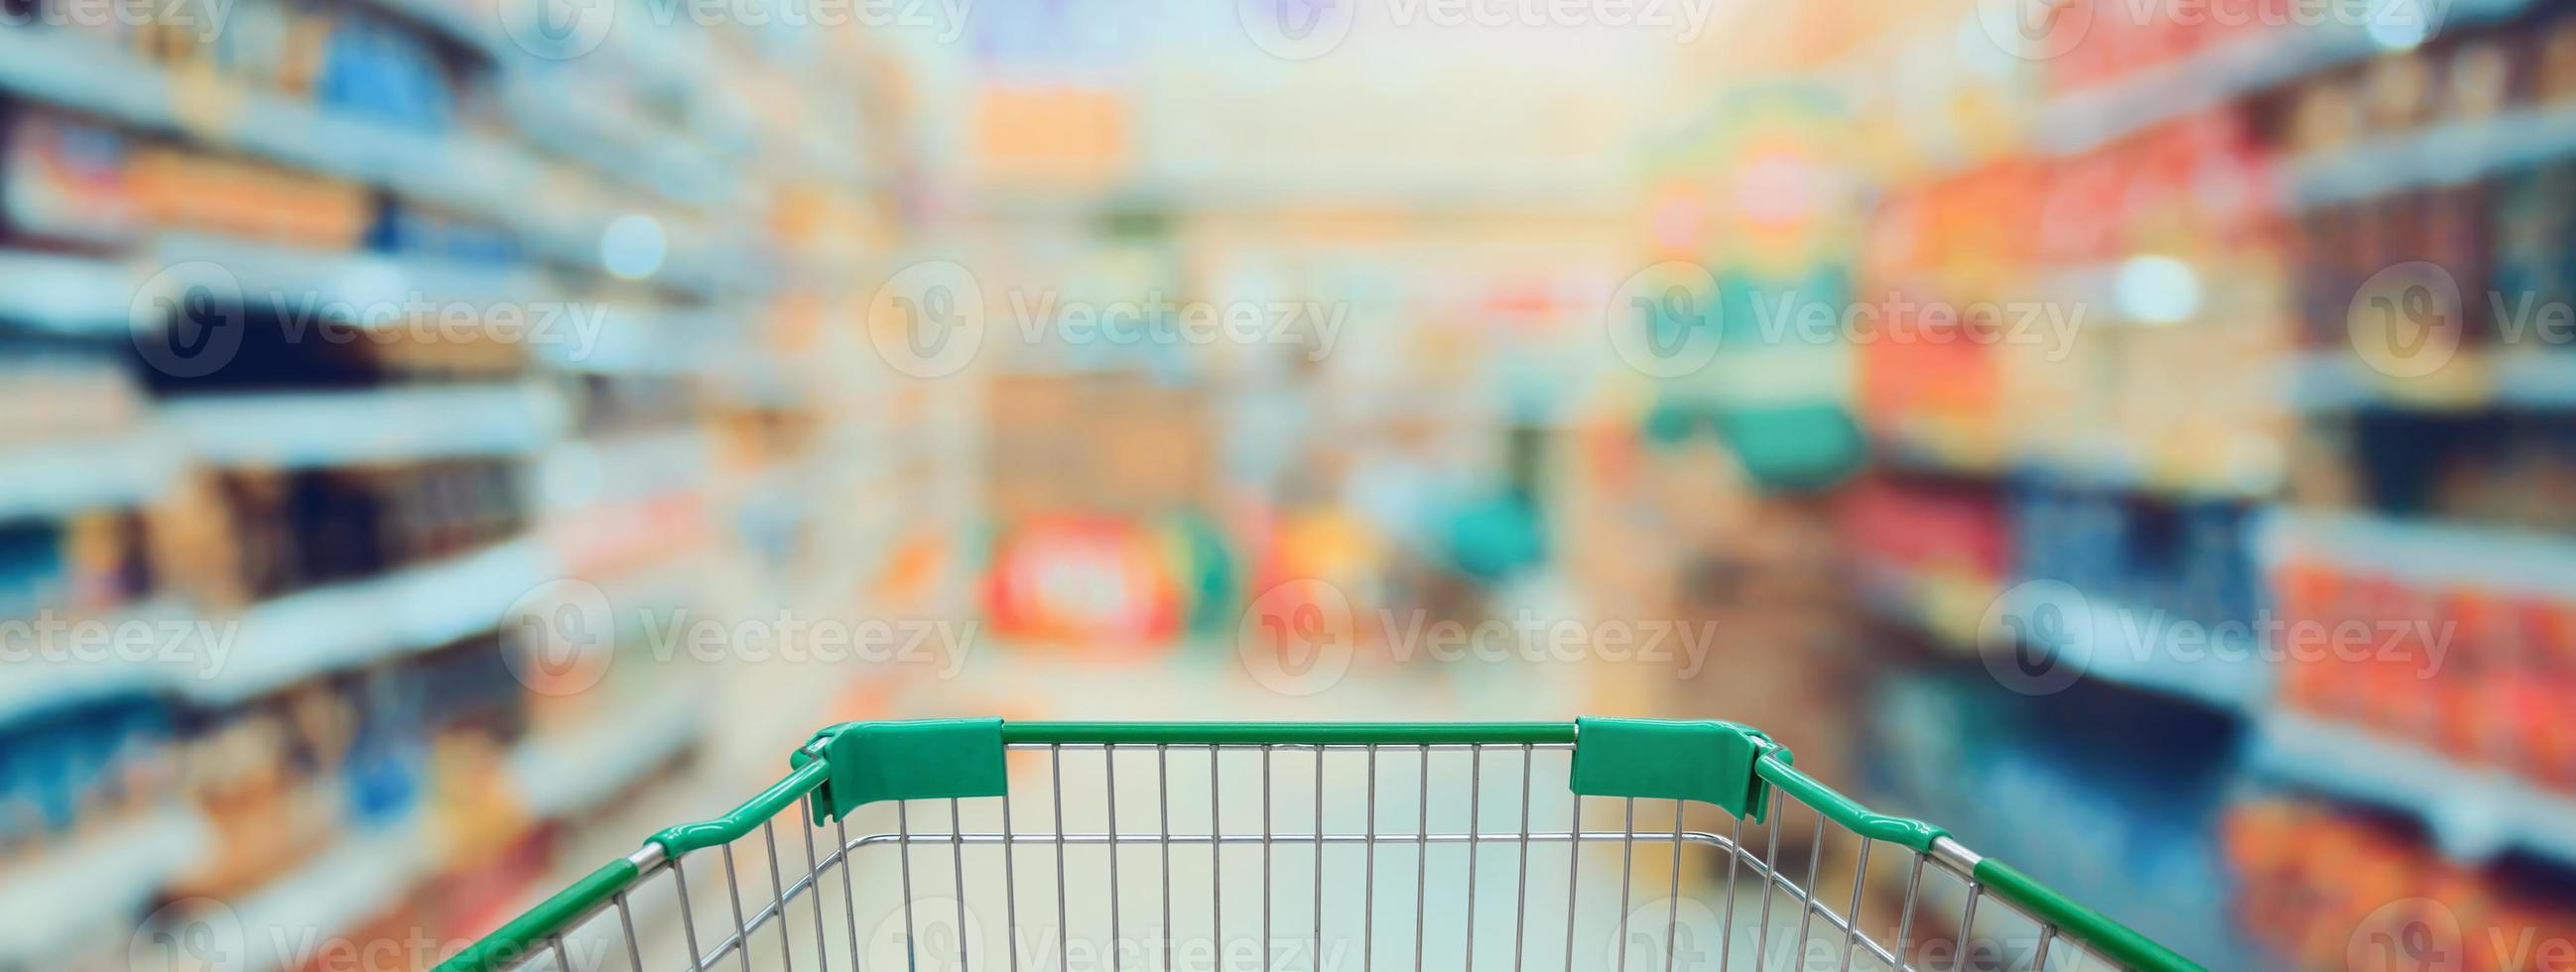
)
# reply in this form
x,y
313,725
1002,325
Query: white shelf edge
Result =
x,y
2427,552
57,479
348,625
358,876
81,296
67,892
571,771
2125,645
2474,812
387,424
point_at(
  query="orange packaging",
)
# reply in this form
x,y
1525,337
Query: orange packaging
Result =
x,y
184,190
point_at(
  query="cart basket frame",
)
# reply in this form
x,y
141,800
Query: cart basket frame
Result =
x,y
1733,767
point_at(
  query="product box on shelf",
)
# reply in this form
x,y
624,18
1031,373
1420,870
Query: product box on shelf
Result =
x,y
2474,674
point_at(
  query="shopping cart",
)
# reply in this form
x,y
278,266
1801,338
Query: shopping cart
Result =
x,y
931,845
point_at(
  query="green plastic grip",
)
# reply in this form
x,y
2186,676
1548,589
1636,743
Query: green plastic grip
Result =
x,y
1711,762
527,934
924,759
2095,930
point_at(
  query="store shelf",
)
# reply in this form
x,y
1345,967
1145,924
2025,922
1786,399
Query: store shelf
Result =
x,y
292,278
2446,154
78,295
87,76
366,872
2534,380
574,120
486,178
670,342
578,770
2144,647
2108,474
62,478
37,686
2473,812
66,294
1946,605
92,884
2108,640
2221,73
349,625
300,430
99,78
2430,555
357,878
579,473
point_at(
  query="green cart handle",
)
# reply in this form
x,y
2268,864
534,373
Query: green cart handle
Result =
x,y
1724,764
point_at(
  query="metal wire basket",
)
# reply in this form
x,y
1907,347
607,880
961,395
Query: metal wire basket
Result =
x,y
975,844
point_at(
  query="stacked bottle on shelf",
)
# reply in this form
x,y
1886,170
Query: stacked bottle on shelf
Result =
x,y
2489,215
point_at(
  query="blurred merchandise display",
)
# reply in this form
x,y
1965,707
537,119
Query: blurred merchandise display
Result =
x,y
2329,888
2140,436
409,412
2129,820
2231,334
